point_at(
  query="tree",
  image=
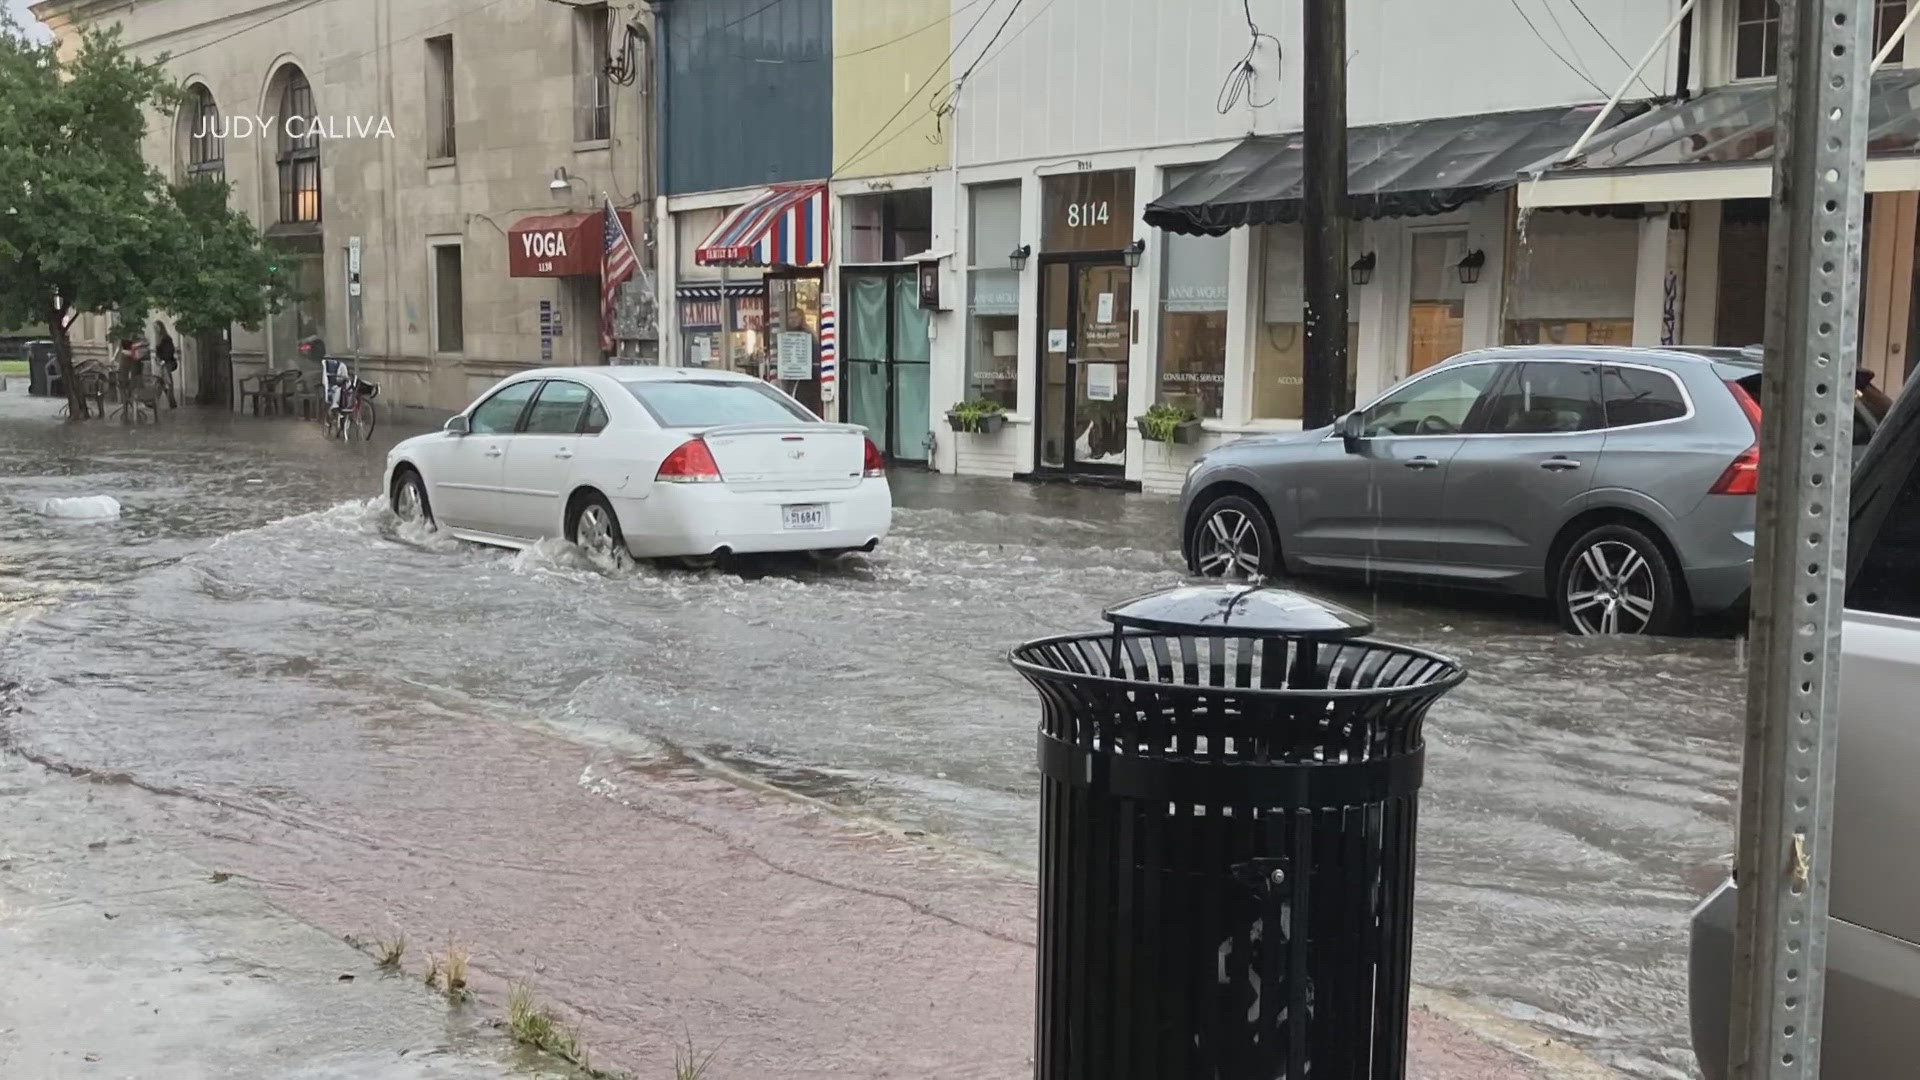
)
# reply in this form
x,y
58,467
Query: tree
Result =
x,y
86,225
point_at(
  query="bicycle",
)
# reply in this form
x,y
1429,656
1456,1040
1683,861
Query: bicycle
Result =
x,y
349,413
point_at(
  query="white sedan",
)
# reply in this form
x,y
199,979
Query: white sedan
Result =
x,y
664,462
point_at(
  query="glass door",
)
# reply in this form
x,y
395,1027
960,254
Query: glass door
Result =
x,y
1087,317
887,357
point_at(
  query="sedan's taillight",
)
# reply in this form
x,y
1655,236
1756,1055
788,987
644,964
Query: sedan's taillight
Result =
x,y
876,463
690,463
1742,477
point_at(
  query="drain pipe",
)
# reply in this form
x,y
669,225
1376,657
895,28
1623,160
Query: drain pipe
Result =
x,y
1614,101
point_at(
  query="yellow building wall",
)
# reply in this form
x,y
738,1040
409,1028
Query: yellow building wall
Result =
x,y
884,50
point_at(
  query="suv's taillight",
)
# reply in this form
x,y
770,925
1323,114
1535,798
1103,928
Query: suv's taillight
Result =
x,y
1742,477
876,463
690,463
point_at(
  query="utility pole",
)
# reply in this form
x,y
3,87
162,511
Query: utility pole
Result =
x,y
1800,550
1324,210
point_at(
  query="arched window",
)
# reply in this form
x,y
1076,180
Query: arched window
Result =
x,y
299,151
206,149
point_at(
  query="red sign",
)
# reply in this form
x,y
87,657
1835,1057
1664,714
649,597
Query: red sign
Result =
x,y
560,245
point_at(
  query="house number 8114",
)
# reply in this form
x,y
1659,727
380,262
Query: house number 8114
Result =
x,y
1086,215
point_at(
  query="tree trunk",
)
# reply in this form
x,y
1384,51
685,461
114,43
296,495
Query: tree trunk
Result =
x,y
63,348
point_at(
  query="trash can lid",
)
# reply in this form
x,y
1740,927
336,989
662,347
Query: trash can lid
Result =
x,y
1252,610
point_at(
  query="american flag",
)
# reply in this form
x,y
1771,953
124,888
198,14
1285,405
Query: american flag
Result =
x,y
617,264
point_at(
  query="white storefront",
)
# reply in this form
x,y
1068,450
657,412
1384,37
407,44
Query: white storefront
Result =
x,y
1086,112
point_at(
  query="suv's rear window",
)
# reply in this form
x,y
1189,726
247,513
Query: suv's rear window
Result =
x,y
1639,396
710,403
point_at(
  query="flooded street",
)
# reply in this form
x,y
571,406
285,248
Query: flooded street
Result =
x,y
254,636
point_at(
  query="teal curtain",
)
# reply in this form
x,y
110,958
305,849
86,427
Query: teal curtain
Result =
x,y
866,317
909,320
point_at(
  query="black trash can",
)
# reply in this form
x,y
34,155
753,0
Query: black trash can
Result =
x,y
1229,786
43,374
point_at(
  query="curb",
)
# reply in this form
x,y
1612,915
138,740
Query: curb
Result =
x,y
1559,1060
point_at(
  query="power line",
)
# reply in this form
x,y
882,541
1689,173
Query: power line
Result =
x,y
1548,45
1609,43
871,48
242,30
862,152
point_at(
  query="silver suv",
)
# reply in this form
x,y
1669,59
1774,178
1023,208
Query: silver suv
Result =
x,y
1617,483
1873,930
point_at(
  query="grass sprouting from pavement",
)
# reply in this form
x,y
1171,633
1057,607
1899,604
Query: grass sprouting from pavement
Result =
x,y
533,1024
390,951
689,1064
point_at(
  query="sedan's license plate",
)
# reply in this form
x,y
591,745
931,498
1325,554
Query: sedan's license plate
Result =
x,y
806,516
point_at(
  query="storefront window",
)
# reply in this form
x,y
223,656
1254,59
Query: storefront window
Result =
x,y
887,227
993,294
1279,355
1436,298
1571,281
1193,319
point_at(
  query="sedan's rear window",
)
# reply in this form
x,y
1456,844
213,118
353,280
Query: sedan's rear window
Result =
x,y
710,403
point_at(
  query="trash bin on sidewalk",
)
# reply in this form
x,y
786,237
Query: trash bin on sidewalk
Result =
x,y
1229,780
43,378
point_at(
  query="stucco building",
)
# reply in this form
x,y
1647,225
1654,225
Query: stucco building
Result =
x,y
436,138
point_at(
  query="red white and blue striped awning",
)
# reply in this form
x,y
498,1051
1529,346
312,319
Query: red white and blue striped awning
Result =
x,y
787,226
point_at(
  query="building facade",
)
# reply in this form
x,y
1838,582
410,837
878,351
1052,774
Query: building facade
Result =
x,y
432,170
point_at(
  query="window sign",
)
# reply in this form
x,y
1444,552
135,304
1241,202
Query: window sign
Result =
x,y
1091,211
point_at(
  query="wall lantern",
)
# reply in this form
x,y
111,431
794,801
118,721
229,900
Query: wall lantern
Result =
x,y
1469,267
1132,253
1362,268
1017,258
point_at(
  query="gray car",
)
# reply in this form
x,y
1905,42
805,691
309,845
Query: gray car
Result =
x,y
1873,926
1617,483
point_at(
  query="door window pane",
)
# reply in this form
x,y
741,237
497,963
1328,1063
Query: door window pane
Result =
x,y
1572,282
1435,405
557,410
1054,368
1546,399
909,319
1639,396
499,413
596,421
866,317
1280,349
911,415
1886,581
1436,312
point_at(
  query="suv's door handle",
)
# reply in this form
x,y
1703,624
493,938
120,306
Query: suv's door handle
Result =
x,y
563,453
1560,464
1422,463
494,451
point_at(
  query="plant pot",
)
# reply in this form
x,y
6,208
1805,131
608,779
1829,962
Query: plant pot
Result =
x,y
1185,433
986,424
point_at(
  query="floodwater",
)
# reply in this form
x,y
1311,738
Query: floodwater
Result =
x,y
253,606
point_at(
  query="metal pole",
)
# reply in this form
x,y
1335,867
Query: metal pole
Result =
x,y
1324,211
1786,791
1614,101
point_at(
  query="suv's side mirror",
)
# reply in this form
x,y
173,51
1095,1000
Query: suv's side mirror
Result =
x,y
458,425
1351,427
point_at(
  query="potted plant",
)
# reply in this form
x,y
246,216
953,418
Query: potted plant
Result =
x,y
977,416
1166,423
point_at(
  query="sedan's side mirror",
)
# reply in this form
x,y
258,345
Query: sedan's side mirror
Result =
x,y
1351,428
458,425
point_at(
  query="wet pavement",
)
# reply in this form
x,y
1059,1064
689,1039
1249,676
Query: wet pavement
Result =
x,y
382,717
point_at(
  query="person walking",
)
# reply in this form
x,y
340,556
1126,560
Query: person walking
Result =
x,y
168,356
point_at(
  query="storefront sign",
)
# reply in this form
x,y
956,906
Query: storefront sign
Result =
x,y
558,245
546,331
796,355
1090,211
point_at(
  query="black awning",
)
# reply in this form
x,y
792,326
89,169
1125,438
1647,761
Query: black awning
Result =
x,y
1393,170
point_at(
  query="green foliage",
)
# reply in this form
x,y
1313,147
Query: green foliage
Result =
x,y
86,225
969,414
1161,422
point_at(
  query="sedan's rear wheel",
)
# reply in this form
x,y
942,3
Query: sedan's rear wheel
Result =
x,y
594,528
1233,540
1615,579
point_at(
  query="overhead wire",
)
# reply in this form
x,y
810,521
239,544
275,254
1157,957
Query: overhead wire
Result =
x,y
1572,49
866,148
889,43
1597,32
1555,53
1243,76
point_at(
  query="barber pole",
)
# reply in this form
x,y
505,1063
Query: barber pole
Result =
x,y
829,349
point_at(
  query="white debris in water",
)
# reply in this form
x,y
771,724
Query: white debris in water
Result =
x,y
85,508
